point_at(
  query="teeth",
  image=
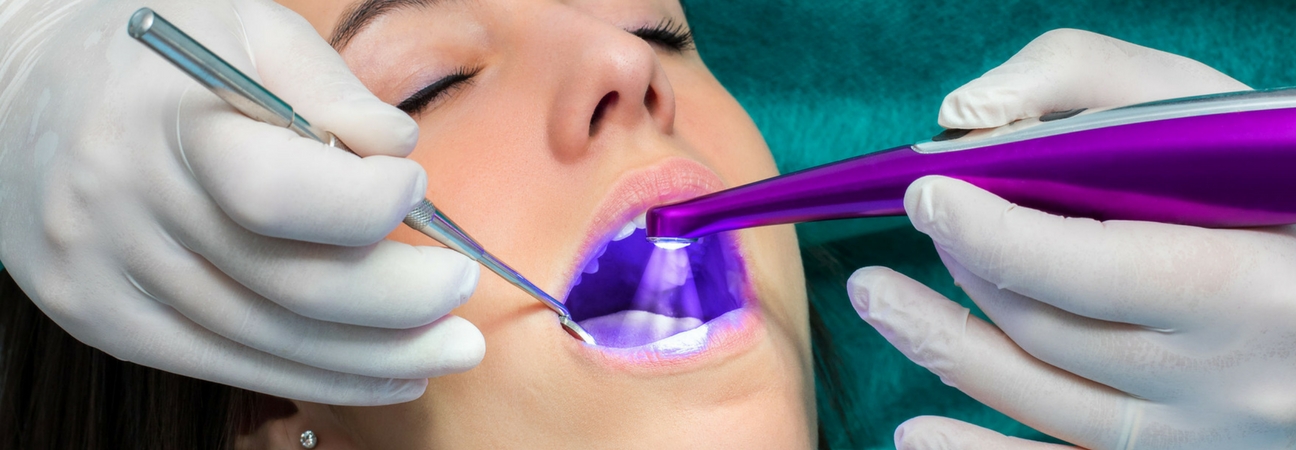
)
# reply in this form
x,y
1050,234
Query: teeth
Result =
x,y
634,328
593,265
625,232
641,221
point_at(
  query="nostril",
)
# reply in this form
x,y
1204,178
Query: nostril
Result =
x,y
604,104
650,100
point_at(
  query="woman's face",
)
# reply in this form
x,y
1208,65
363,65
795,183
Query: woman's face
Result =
x,y
546,127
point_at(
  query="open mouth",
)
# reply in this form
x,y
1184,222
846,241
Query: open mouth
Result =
x,y
631,293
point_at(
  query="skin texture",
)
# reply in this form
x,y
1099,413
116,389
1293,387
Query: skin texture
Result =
x,y
513,158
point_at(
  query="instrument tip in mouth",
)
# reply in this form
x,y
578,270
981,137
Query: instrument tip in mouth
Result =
x,y
575,330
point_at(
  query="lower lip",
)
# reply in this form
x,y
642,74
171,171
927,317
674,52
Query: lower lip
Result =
x,y
720,339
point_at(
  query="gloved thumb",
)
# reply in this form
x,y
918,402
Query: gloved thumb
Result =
x,y
299,66
941,433
1068,69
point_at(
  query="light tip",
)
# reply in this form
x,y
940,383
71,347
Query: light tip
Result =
x,y
671,243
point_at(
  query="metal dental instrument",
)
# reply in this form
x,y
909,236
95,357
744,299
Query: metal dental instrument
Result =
x,y
258,103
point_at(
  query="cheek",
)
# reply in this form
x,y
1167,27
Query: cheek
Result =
x,y
719,129
489,169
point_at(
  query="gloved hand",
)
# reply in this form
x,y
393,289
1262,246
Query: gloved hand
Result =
x,y
1109,335
154,222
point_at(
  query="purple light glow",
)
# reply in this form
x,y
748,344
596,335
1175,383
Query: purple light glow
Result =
x,y
668,279
634,293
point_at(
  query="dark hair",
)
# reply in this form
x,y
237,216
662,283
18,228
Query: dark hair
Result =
x,y
57,393
834,398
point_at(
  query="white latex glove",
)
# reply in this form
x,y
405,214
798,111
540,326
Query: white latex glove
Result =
x,y
154,222
1109,335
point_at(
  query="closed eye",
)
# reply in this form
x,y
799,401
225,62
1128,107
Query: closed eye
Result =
x,y
671,35
419,102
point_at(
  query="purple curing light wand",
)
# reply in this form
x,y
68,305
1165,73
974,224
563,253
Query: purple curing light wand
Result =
x,y
1226,160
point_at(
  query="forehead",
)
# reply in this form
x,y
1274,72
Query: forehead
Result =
x,y
360,15
340,20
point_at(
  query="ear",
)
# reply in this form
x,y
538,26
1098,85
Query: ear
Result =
x,y
285,433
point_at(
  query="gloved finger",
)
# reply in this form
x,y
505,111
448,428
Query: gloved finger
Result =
x,y
1067,69
278,184
1110,353
1144,273
388,284
222,305
942,433
981,361
167,340
300,67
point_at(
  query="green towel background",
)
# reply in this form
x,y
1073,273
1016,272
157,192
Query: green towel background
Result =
x,y
830,79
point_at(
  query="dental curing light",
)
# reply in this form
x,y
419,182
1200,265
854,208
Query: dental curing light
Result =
x,y
257,102
1219,161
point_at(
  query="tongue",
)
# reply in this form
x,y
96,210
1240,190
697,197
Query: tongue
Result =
x,y
634,328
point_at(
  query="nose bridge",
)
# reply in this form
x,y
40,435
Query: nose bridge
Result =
x,y
610,82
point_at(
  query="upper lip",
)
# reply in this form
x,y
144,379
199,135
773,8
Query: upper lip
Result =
x,y
670,180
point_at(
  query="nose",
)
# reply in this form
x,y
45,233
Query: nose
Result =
x,y
613,86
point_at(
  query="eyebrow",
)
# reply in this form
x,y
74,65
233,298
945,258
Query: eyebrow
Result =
x,y
365,13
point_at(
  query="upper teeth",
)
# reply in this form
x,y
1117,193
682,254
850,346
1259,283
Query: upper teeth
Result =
x,y
639,222
625,232
628,229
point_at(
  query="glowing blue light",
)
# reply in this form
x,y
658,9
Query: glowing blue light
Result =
x,y
671,243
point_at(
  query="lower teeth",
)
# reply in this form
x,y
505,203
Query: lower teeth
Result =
x,y
634,328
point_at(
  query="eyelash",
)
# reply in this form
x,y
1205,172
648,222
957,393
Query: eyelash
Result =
x,y
675,37
670,34
420,100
